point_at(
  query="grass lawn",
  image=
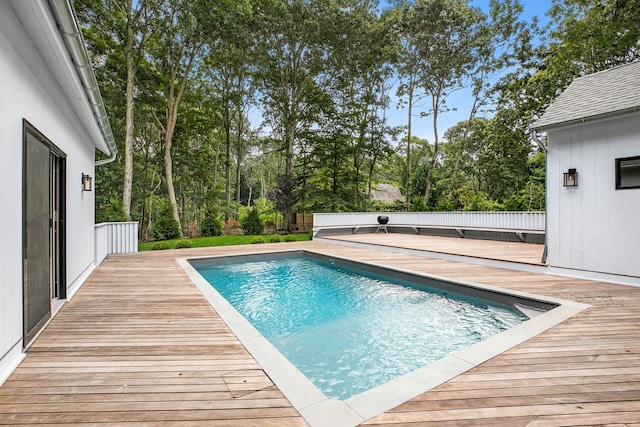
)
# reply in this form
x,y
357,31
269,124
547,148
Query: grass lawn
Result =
x,y
202,242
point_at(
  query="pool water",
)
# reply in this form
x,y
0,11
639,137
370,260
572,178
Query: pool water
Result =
x,y
348,330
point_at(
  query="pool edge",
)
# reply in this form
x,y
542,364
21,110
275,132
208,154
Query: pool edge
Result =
x,y
316,408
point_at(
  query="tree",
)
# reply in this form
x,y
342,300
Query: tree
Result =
x,y
252,224
136,32
178,42
594,35
409,65
229,69
290,63
449,35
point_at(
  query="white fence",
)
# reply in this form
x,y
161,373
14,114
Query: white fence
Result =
x,y
532,222
115,238
502,220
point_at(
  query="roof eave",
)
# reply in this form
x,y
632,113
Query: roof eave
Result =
x,y
51,25
585,119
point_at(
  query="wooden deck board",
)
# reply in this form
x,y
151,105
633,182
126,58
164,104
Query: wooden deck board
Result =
x,y
139,344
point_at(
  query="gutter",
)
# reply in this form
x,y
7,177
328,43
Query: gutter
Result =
x,y
536,139
68,27
544,148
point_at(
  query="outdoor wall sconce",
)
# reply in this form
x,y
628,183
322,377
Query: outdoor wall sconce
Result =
x,y
86,182
570,178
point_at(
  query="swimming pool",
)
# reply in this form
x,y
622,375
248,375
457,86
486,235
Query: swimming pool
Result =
x,y
314,404
350,330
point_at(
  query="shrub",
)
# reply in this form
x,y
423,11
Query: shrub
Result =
x,y
112,212
159,246
183,244
211,225
270,225
290,238
275,238
257,240
252,224
232,228
190,230
165,227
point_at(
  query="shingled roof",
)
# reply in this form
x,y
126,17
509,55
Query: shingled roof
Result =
x,y
593,96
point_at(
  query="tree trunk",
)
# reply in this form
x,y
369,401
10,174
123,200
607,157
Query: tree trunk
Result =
x,y
227,159
128,140
409,117
168,168
432,163
291,137
240,122
173,102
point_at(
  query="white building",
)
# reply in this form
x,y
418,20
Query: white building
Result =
x,y
593,176
51,122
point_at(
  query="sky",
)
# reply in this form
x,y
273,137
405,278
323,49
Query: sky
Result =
x,y
461,100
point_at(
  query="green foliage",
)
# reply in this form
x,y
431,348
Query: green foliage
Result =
x,y
276,238
210,225
165,227
180,244
320,73
252,224
203,242
257,240
159,246
113,211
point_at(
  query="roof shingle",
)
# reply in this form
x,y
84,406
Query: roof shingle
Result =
x,y
595,95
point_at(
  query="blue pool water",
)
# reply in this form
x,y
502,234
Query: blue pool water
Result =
x,y
349,331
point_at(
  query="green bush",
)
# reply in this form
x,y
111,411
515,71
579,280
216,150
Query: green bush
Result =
x,y
159,246
211,225
252,224
113,212
165,227
275,238
257,240
183,244
290,238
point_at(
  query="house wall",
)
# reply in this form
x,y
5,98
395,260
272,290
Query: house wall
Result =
x,y
29,92
593,227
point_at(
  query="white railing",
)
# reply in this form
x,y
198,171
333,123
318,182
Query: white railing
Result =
x,y
517,221
115,238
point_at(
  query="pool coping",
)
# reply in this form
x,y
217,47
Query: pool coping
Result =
x,y
318,409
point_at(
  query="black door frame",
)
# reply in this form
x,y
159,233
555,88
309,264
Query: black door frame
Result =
x,y
58,161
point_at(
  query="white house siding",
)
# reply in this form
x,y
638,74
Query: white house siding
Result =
x,y
593,227
29,92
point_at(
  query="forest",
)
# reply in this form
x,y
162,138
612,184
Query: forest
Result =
x,y
224,109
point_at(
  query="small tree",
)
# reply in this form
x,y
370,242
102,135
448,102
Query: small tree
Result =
x,y
252,224
165,227
211,225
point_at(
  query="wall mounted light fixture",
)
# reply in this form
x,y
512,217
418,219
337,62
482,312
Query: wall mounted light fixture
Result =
x,y
87,182
570,178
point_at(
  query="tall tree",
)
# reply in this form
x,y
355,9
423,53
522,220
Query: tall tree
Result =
x,y
593,35
179,41
127,24
409,64
289,68
136,31
449,37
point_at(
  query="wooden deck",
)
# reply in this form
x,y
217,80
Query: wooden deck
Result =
x,y
139,345
525,253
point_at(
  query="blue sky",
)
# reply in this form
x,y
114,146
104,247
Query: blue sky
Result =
x,y
461,100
